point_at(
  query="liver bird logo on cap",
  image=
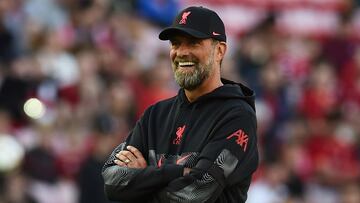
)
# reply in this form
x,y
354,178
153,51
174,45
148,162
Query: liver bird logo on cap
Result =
x,y
184,17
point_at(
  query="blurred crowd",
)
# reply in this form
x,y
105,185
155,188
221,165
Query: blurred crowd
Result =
x,y
95,65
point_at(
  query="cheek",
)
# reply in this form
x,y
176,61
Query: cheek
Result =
x,y
172,55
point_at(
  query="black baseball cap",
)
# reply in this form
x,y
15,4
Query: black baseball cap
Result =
x,y
199,22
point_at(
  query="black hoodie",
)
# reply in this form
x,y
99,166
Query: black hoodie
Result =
x,y
215,136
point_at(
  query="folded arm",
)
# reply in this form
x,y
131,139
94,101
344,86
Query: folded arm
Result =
x,y
229,159
128,183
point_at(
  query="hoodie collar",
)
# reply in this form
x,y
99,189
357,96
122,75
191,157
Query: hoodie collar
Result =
x,y
230,90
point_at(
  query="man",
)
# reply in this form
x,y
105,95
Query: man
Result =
x,y
199,146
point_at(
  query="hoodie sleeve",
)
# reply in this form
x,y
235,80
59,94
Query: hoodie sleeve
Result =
x,y
228,159
133,185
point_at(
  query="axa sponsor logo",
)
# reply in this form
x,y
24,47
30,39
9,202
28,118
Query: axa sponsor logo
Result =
x,y
241,138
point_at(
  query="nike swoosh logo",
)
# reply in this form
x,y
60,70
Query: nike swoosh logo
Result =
x,y
215,33
182,159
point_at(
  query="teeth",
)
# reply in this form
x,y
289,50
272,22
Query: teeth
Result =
x,y
187,63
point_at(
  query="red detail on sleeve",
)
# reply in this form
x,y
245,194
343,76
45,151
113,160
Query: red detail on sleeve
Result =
x,y
160,161
181,159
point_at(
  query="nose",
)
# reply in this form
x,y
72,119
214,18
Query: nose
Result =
x,y
183,50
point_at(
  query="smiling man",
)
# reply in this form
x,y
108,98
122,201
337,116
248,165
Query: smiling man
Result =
x,y
199,146
192,70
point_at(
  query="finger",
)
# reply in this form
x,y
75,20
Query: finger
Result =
x,y
133,163
122,158
140,159
129,155
119,163
135,151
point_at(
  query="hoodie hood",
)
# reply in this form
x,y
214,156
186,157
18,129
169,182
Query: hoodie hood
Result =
x,y
230,90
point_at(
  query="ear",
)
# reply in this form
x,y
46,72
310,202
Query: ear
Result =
x,y
221,50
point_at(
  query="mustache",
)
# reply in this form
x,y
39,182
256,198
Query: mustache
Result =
x,y
185,59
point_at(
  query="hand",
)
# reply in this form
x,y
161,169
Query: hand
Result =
x,y
186,171
131,158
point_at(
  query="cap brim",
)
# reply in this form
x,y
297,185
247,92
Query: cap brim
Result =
x,y
167,33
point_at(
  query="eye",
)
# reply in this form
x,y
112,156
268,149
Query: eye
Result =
x,y
195,42
174,43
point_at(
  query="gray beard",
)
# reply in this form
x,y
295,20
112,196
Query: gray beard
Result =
x,y
192,80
